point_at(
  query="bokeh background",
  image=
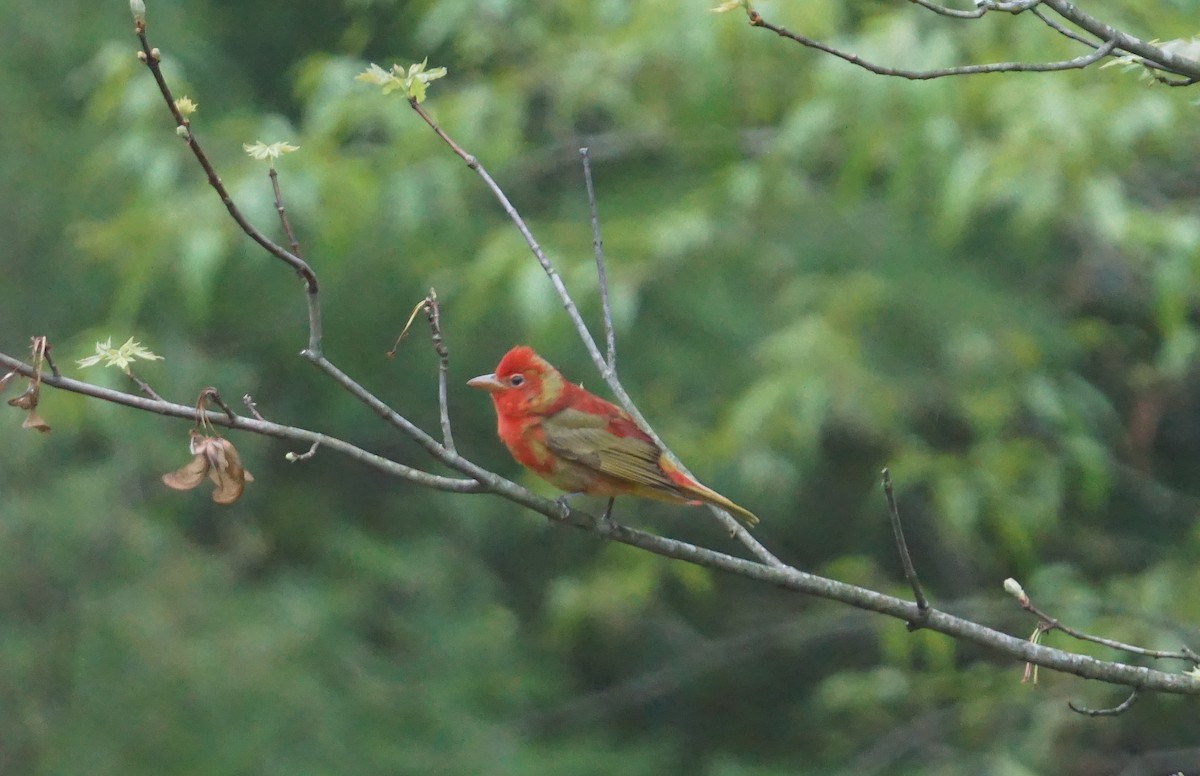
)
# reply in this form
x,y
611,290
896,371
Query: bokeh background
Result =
x,y
987,284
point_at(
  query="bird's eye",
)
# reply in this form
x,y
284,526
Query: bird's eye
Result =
x,y
516,380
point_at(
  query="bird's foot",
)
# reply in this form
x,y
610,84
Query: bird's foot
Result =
x,y
564,505
605,523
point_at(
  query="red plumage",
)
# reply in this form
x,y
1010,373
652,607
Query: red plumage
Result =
x,y
580,442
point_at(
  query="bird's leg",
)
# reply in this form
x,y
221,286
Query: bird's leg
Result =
x,y
605,520
606,523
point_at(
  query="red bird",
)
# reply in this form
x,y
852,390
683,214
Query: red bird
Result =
x,y
581,443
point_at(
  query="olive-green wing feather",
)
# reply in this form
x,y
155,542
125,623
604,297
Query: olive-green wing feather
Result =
x,y
617,448
587,439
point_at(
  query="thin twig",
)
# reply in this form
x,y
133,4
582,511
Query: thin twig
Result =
x,y
1152,67
433,312
1114,711
1062,29
293,457
265,428
954,13
568,303
1154,55
610,337
251,407
1050,623
1010,6
735,528
1077,63
213,395
283,218
152,58
49,361
380,408
143,386
910,571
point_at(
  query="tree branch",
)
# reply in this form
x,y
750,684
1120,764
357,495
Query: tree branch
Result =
x,y
282,211
1111,40
610,337
1154,55
910,571
265,428
780,575
953,13
434,314
1077,63
1114,711
151,58
1049,623
735,528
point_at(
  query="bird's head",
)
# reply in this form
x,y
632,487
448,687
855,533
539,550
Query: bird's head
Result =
x,y
524,383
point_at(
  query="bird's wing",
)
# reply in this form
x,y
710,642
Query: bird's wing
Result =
x,y
614,447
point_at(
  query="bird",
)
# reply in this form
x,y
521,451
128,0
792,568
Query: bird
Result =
x,y
581,443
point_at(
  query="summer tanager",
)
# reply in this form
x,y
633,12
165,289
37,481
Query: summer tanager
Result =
x,y
581,443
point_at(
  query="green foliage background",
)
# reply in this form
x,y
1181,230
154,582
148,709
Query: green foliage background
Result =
x,y
987,284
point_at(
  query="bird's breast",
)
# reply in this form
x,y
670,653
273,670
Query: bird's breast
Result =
x,y
526,442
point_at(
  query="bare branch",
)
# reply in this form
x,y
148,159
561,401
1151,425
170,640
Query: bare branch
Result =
x,y
265,428
151,58
1114,711
293,457
1049,623
49,361
1077,63
1021,649
251,407
1154,55
213,395
735,528
1150,65
778,575
143,386
313,353
1009,6
283,218
954,13
610,337
568,303
910,572
433,312
1063,30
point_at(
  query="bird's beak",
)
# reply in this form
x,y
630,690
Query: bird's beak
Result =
x,y
488,383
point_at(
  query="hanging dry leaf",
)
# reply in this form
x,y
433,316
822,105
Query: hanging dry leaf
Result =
x,y
219,460
34,420
187,476
28,399
227,472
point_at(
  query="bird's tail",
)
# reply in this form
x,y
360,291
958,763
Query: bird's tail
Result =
x,y
708,495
